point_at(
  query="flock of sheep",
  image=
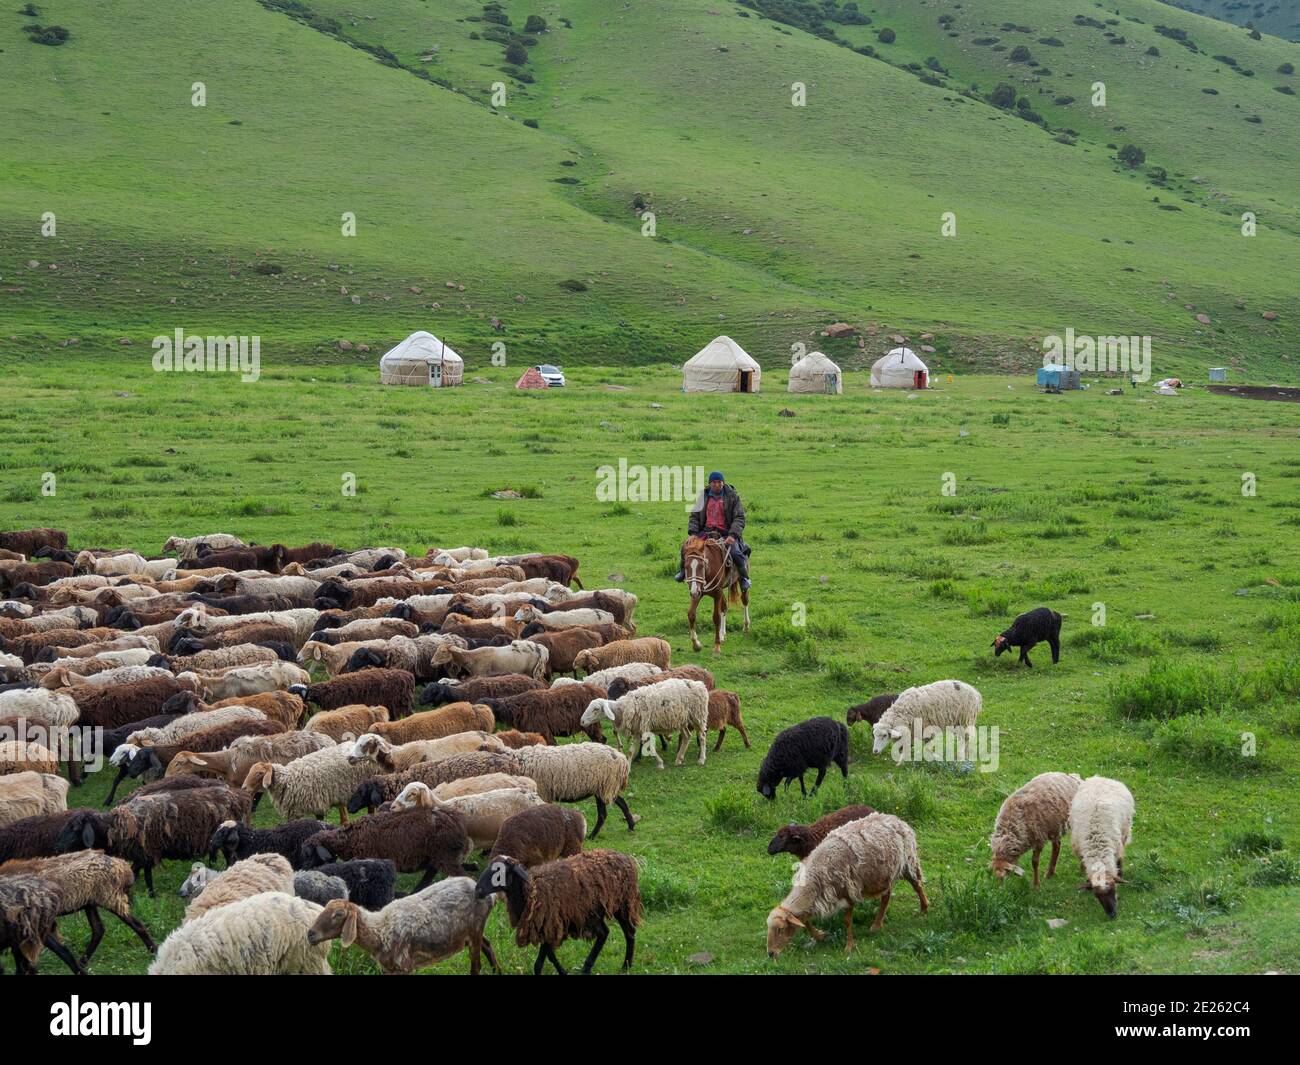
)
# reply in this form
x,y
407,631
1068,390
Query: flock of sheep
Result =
x,y
442,686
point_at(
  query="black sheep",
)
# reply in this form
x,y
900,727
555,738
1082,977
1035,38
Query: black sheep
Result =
x,y
811,744
872,709
372,882
237,841
1031,628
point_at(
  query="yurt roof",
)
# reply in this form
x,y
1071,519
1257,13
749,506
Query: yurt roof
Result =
x,y
813,363
420,347
721,353
904,357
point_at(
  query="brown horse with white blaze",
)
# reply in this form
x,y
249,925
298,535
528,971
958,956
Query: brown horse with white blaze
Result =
x,y
709,572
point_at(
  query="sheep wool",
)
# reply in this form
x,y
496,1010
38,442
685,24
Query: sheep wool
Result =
x,y
318,887
1101,827
1030,817
310,785
28,794
252,876
265,935
54,708
658,709
579,771
941,704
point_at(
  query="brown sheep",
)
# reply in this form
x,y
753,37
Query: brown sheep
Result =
x,y
514,739
29,646
419,839
541,834
28,757
391,688
564,646
346,722
551,712
29,541
481,630
233,763
802,840
652,649
872,710
724,710
29,910
307,553
562,569
435,724
383,788
111,705
620,686
281,706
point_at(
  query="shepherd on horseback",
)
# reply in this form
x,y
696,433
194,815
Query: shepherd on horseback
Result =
x,y
718,513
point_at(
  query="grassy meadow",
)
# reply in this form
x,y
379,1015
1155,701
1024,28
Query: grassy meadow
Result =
x,y
1134,501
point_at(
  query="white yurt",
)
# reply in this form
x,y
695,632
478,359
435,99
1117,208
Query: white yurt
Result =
x,y
816,373
722,365
422,359
900,369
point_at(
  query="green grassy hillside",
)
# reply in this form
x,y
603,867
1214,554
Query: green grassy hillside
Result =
x,y
772,220
1268,16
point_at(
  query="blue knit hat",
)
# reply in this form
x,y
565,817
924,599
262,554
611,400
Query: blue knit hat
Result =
x,y
716,476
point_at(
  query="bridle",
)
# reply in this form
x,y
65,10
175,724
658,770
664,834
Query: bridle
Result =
x,y
705,586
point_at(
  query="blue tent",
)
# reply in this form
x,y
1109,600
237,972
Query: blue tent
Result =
x,y
1053,376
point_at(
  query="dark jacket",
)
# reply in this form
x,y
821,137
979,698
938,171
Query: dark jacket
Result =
x,y
733,512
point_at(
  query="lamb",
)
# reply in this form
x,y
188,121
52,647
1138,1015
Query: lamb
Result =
x,y
454,789
318,887
232,764
680,706
31,542
89,881
29,794
552,712
483,812
620,686
413,932
310,784
252,876
384,788
393,759
187,548
1030,817
860,860
521,656
540,834
150,828
346,722
1101,826
265,935
942,704
436,724
334,656
579,771
198,880
236,841
871,710
652,649
724,711
29,910
248,680
801,840
571,898
417,840
1031,628
477,689
57,709
812,744
605,678
390,688
371,882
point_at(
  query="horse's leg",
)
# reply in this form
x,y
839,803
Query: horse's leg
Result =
x,y
719,622
744,598
690,616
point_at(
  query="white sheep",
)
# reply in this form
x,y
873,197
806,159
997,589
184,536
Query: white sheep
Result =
x,y
265,935
563,619
860,860
942,704
519,656
302,620
54,708
310,785
187,548
604,677
252,876
578,771
412,932
245,680
1101,826
452,789
658,709
483,811
1029,818
188,724
28,794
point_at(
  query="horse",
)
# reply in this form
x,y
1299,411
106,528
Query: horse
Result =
x,y
709,571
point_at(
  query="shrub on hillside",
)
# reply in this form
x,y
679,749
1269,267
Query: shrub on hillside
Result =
x,y
1286,68
1020,54
516,54
52,35
1215,742
1132,156
1169,689
572,285
886,36
1004,96
535,24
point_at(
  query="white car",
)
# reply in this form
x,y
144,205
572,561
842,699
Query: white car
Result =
x,y
552,375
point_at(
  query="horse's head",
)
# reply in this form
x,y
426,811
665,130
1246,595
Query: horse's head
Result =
x,y
705,560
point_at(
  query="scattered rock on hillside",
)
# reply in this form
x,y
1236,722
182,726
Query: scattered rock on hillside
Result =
x,y
124,340
1204,319
839,329
927,349
1057,922
927,336
898,338
703,957
345,345
616,577
363,347
1270,316
656,406
415,289
32,264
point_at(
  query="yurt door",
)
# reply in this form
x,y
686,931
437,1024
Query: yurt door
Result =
x,y
435,375
746,380
831,384
918,379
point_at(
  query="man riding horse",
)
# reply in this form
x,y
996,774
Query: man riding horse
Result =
x,y
719,514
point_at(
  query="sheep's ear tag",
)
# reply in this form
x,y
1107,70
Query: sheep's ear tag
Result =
x,y
87,836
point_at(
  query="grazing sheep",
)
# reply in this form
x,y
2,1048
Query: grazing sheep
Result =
x,y
579,771
54,708
236,841
318,887
552,712
1101,826
454,789
1031,628
413,932
151,827
108,707
571,898
153,762
632,671
89,881
871,710
33,837
336,657
520,656
20,580
31,542
232,764
194,884
367,629
562,569
265,935
346,722
816,743
724,711
483,812
652,649
380,790
248,680
419,839
219,658
29,910
669,706
310,784
111,740
371,882
182,725
477,689
514,739
563,646
620,686
390,688
563,619
252,876
942,704
436,724
860,860
1030,817
394,759
801,840
541,834
28,794
187,548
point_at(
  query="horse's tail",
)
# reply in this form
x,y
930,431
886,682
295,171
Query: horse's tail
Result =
x,y
733,595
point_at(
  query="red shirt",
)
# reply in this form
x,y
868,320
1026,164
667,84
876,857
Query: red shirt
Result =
x,y
714,514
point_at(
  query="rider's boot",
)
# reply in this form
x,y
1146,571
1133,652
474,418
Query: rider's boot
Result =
x,y
742,567
681,568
